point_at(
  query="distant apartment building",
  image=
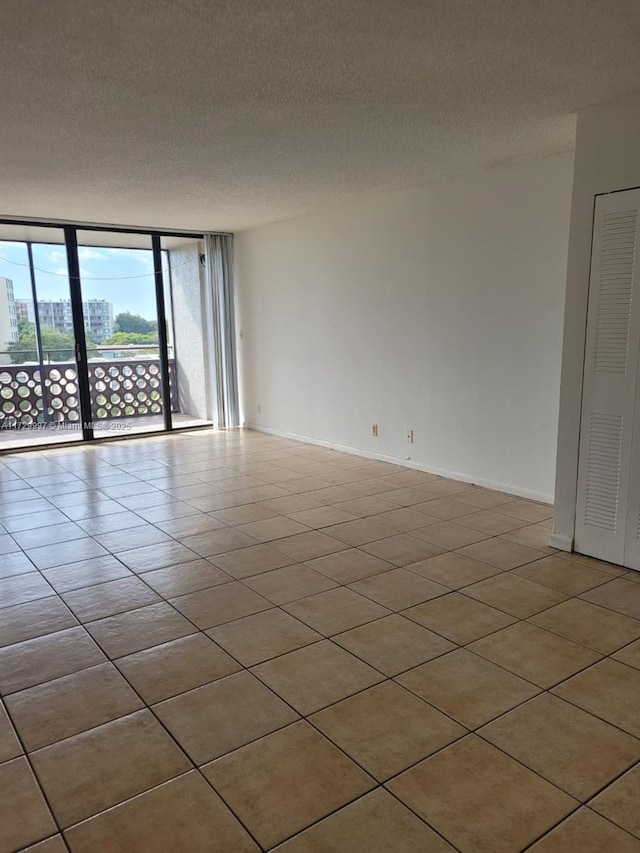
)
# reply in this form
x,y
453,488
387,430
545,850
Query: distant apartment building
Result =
x,y
56,314
24,311
8,318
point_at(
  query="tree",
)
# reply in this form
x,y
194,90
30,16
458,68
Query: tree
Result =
x,y
128,322
56,346
124,338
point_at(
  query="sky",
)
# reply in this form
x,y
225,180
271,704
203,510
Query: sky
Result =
x,y
123,277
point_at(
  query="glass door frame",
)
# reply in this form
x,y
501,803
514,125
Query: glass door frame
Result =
x,y
75,287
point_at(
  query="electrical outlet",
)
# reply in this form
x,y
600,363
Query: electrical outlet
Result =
x,y
374,430
259,408
410,436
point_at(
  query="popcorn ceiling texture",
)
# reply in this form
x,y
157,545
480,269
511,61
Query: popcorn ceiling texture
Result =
x,y
227,115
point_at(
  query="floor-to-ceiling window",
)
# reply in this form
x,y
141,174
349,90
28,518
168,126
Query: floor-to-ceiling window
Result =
x,y
101,334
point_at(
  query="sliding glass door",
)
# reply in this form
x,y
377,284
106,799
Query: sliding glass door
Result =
x,y
39,372
128,363
89,323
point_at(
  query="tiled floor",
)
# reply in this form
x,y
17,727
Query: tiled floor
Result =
x,y
228,642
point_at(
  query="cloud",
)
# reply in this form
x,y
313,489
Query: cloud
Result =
x,y
56,256
86,254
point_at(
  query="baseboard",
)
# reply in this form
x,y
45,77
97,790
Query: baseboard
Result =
x,y
495,485
559,540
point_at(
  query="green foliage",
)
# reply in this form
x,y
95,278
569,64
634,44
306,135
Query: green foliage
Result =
x,y
56,346
127,322
124,338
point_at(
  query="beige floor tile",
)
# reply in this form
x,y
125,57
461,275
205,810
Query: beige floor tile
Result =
x,y
175,667
18,589
236,515
571,748
486,498
92,771
214,606
316,676
281,586
459,618
183,814
619,802
72,704
398,589
562,575
376,823
467,688
9,743
282,783
491,522
34,619
269,529
322,516
214,719
86,573
262,636
251,561
325,494
24,815
501,554
151,557
188,577
107,599
102,524
55,844
289,504
136,537
453,570
49,556
358,532
44,658
451,534
393,644
609,690
529,511
367,505
537,655
336,610
630,654
402,549
515,595
588,833
446,509
307,546
349,566
456,792
620,595
592,626
217,542
592,562
386,729
49,535
139,629
532,536
15,564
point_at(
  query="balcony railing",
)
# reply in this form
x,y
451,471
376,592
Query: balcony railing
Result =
x,y
121,386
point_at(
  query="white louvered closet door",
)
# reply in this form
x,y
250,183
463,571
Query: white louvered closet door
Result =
x,y
608,503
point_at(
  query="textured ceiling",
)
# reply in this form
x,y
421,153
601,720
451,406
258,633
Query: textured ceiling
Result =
x,y
202,114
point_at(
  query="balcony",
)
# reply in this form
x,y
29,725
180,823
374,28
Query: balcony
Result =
x,y
125,391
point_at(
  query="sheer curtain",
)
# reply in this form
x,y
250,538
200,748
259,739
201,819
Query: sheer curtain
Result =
x,y
221,332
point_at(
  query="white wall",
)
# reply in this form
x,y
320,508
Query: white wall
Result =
x,y
607,159
438,309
